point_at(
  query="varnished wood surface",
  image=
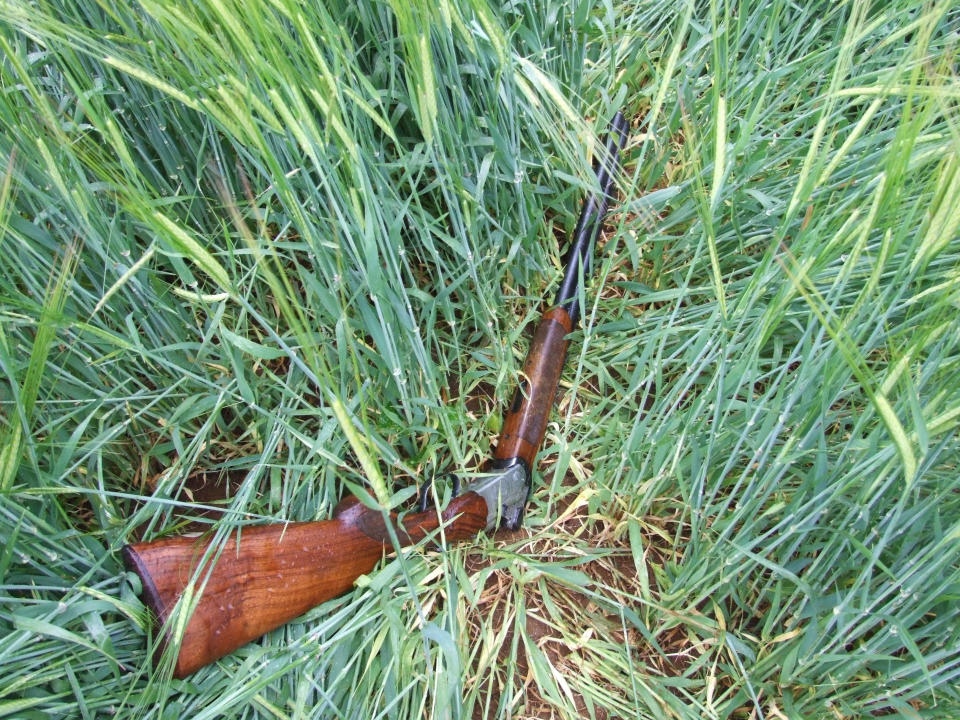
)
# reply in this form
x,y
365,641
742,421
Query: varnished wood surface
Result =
x,y
525,423
276,572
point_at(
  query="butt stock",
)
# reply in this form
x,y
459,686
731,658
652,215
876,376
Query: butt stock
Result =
x,y
275,573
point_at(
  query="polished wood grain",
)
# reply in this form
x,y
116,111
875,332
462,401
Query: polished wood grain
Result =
x,y
525,422
268,575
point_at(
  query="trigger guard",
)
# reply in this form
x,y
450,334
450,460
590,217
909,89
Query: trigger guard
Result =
x,y
423,498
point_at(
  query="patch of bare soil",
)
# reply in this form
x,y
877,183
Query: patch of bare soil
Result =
x,y
571,627
203,492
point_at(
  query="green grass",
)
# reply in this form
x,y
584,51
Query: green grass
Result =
x,y
295,246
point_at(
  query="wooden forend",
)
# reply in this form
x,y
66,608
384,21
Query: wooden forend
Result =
x,y
526,421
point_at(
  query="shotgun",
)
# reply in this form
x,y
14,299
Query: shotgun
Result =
x,y
268,575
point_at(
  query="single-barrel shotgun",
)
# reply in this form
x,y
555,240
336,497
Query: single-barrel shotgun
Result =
x,y
271,574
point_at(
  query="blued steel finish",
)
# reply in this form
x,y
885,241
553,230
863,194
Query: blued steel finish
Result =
x,y
525,421
585,234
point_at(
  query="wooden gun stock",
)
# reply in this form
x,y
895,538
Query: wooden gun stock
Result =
x,y
525,423
266,576
276,573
